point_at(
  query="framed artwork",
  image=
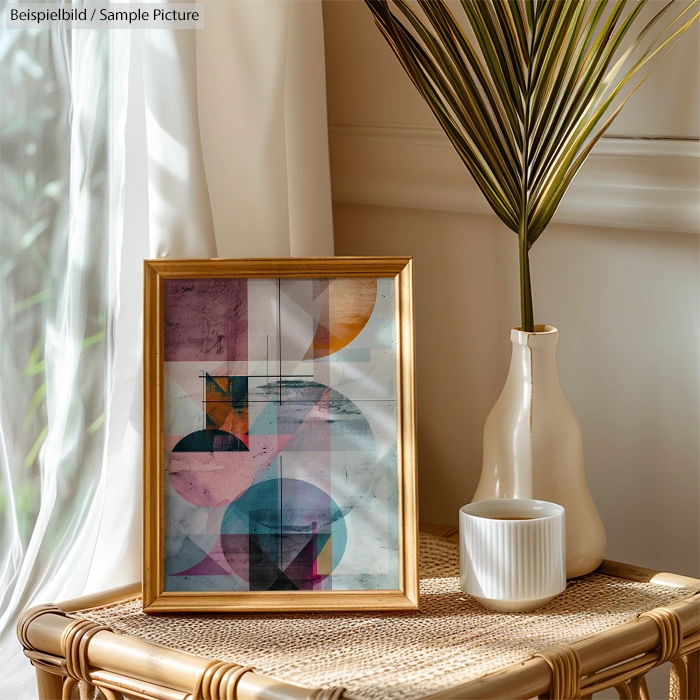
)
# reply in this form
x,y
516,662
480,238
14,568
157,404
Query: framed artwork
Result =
x,y
279,429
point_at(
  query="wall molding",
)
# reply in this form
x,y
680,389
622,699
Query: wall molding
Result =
x,y
634,183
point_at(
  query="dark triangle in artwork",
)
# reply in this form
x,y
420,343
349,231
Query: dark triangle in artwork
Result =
x,y
301,570
283,584
264,574
270,545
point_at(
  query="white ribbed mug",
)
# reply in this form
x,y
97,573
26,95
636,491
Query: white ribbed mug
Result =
x,y
512,552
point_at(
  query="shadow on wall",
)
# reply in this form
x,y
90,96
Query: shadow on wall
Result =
x,y
465,302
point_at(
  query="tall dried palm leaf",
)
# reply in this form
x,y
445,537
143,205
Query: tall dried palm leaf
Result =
x,y
525,108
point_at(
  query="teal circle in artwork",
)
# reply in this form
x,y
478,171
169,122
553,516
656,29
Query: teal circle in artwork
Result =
x,y
288,533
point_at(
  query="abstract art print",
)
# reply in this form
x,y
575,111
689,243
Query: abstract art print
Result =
x,y
280,475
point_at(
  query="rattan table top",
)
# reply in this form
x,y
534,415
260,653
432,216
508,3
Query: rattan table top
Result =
x,y
403,656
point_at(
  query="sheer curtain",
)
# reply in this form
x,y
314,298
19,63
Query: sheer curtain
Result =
x,y
111,150
60,186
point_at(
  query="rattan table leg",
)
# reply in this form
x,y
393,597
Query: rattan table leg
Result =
x,y
624,692
68,686
678,679
49,685
685,677
633,689
693,675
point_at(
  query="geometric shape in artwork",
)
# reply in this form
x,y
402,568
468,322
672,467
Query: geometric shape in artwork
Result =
x,y
206,567
324,559
210,441
301,570
226,401
281,505
205,320
264,573
182,553
210,468
234,549
267,572
313,418
285,524
346,304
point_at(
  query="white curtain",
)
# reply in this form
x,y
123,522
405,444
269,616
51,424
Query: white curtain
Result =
x,y
262,96
175,143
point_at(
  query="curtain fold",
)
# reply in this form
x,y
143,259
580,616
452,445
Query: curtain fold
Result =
x,y
56,311
306,129
169,217
262,106
223,148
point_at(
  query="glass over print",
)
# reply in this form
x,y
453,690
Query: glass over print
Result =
x,y
280,434
281,467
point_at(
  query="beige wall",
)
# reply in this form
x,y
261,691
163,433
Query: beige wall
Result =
x,y
626,302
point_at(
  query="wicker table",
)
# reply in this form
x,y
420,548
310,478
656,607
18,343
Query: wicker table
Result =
x,y
606,630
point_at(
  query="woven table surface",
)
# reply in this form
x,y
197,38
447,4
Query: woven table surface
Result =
x,y
403,656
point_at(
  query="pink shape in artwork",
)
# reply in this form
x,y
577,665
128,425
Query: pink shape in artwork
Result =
x,y
241,567
210,479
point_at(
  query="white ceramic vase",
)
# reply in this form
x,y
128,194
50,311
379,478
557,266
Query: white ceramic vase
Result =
x,y
533,447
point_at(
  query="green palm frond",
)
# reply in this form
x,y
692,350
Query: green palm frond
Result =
x,y
526,103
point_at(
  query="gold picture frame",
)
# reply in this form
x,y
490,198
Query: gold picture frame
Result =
x,y
309,591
